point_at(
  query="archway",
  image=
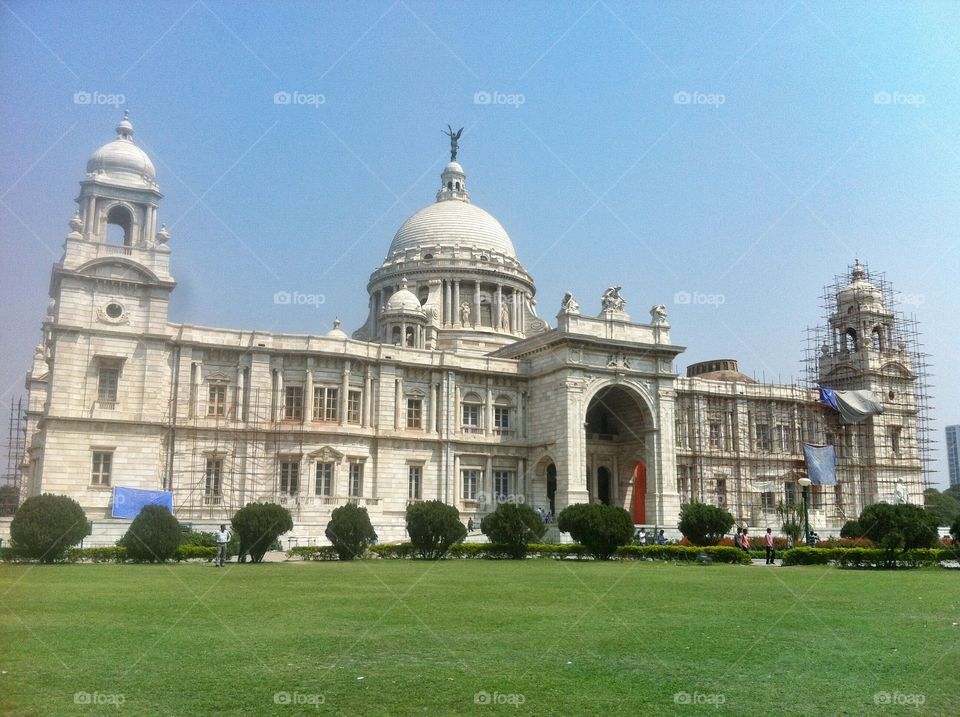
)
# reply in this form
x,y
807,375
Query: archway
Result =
x,y
639,511
552,488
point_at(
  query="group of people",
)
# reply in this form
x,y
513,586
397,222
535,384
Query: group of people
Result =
x,y
642,538
742,540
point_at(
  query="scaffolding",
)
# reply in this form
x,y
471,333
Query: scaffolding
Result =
x,y
14,447
877,459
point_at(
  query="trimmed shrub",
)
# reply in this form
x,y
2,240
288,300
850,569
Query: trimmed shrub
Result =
x,y
46,525
258,526
685,553
153,536
433,527
851,529
513,526
899,527
313,552
601,529
195,552
955,530
207,540
105,554
867,557
350,531
704,524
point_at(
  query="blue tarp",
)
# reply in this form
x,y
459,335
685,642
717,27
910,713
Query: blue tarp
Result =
x,y
828,397
128,502
853,406
821,464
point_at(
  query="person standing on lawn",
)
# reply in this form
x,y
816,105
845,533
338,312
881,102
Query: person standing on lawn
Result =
x,y
222,537
768,542
736,540
745,542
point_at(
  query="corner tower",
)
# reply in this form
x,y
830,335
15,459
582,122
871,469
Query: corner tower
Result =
x,y
461,266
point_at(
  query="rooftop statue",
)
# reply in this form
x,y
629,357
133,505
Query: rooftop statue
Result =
x,y
611,299
454,141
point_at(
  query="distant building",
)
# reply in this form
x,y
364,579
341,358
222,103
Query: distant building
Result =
x,y
953,454
454,388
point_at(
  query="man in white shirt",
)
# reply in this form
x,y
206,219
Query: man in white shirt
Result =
x,y
222,537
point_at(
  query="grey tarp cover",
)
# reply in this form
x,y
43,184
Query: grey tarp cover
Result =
x,y
858,406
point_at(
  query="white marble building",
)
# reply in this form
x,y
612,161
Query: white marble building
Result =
x,y
454,388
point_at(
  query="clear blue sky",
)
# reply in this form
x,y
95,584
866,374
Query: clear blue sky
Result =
x,y
785,164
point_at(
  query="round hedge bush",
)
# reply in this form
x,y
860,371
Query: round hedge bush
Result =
x,y
46,525
259,525
153,536
600,528
704,524
433,526
513,526
350,531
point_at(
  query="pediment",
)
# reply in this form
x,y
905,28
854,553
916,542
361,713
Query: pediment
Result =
x,y
326,455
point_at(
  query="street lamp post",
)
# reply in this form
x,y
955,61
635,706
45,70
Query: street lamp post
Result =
x,y
805,486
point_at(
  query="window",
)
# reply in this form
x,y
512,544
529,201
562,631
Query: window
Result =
x,y
471,413
325,403
217,400
715,435
790,493
356,479
353,406
324,479
764,441
838,496
109,377
102,466
414,413
782,434
289,477
721,492
501,418
816,497
214,479
895,439
293,403
414,482
768,501
501,485
471,479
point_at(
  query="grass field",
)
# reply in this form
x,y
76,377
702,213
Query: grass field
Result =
x,y
541,637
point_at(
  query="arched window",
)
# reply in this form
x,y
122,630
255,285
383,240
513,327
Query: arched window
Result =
x,y
395,337
877,336
449,185
119,226
850,340
458,186
472,412
411,336
422,293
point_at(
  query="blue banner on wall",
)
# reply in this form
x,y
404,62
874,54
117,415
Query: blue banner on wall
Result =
x,y
128,502
821,464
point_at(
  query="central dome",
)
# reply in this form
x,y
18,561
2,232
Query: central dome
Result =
x,y
453,222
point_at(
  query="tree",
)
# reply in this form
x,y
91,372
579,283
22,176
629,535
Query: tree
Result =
x,y
46,525
601,529
350,532
895,527
259,525
433,527
513,526
153,536
704,524
944,506
955,530
791,520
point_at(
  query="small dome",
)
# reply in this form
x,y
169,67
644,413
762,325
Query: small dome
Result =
x,y
453,167
404,300
336,332
122,160
452,222
859,290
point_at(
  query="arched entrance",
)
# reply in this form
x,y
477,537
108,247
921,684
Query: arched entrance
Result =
x,y
618,422
552,488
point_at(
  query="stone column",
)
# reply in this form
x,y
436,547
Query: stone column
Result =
x,y
344,389
476,303
456,410
456,303
517,315
278,407
432,426
398,404
197,403
488,483
488,411
457,480
308,397
447,304
238,397
497,308
365,420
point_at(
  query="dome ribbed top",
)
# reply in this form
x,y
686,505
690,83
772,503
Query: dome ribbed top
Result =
x,y
453,222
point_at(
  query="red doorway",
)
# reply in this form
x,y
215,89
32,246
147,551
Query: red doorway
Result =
x,y
640,494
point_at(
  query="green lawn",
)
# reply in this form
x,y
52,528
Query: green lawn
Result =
x,y
403,637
